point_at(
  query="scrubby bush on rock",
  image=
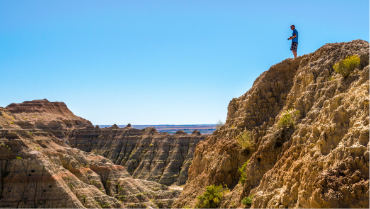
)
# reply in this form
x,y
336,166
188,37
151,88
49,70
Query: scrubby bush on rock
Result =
x,y
245,140
287,119
346,66
219,124
243,175
248,200
211,197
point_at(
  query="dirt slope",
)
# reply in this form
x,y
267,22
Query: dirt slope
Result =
x,y
323,161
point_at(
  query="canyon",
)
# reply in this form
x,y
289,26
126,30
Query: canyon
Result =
x,y
53,158
50,157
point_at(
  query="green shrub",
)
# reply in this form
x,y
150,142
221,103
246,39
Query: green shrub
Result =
x,y
211,197
219,124
248,200
287,119
346,66
150,145
245,140
243,175
18,157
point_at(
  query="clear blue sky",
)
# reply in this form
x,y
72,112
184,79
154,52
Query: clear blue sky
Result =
x,y
158,62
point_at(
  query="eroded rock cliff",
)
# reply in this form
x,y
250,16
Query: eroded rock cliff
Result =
x,y
146,154
322,161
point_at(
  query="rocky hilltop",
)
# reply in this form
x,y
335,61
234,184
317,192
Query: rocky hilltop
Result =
x,y
40,114
146,154
322,160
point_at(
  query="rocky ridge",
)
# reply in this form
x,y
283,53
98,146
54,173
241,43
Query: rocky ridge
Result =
x,y
322,161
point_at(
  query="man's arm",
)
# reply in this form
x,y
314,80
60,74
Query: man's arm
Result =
x,y
290,38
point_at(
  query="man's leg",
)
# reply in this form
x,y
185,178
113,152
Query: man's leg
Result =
x,y
294,53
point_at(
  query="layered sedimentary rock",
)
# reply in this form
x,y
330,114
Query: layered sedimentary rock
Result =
x,y
39,169
146,154
321,161
40,114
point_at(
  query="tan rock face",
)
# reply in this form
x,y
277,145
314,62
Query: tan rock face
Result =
x,y
323,161
146,154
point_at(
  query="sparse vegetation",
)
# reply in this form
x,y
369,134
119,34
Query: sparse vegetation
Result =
x,y
241,170
219,124
346,66
248,200
18,158
287,119
245,140
211,198
150,145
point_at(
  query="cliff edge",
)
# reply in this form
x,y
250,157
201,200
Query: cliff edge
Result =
x,y
322,160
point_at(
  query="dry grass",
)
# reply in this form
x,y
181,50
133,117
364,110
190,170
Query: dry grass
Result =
x,y
245,140
219,124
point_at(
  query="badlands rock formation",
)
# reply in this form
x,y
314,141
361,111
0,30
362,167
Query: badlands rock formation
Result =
x,y
39,169
322,161
146,154
41,114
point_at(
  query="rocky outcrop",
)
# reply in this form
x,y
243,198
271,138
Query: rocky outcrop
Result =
x,y
40,106
146,154
322,161
40,114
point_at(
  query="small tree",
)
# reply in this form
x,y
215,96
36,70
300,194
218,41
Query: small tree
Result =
x,y
346,66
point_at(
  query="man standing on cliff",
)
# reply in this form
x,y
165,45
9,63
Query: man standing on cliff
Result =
x,y
294,39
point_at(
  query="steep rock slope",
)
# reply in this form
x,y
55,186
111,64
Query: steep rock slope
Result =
x,y
146,154
323,161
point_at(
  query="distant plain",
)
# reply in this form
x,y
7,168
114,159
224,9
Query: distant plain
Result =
x,y
171,129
